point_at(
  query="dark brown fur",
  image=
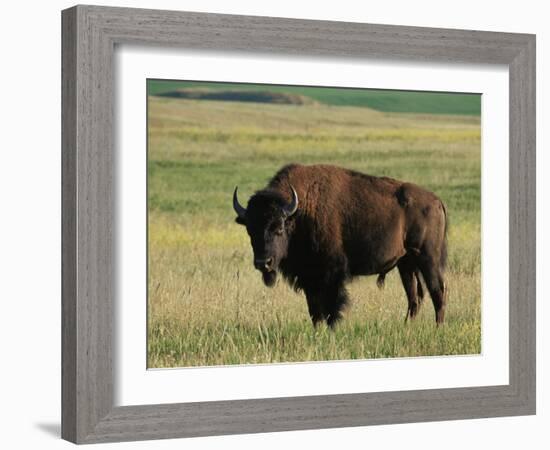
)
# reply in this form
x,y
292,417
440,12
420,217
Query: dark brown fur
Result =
x,y
348,224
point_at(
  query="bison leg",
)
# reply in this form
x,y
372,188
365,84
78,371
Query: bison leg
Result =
x,y
433,277
336,298
411,283
315,307
419,288
326,303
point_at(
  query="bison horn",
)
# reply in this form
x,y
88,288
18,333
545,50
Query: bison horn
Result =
x,y
241,212
293,206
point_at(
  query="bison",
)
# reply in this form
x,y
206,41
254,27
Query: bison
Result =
x,y
321,225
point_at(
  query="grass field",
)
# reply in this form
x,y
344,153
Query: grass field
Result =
x,y
207,304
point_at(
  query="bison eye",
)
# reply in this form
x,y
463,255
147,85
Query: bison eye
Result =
x,y
277,229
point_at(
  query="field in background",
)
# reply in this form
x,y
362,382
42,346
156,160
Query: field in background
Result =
x,y
380,100
207,304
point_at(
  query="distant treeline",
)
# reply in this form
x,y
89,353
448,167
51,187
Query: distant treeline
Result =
x,y
238,95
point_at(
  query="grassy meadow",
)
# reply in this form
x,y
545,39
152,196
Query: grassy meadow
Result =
x,y
207,305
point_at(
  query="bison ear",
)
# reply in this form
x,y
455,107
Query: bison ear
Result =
x,y
240,220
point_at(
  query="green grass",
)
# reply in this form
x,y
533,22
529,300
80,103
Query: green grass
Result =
x,y
207,304
380,100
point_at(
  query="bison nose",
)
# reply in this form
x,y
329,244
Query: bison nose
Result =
x,y
263,264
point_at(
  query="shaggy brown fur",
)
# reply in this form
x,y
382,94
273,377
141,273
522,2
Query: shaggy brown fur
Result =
x,y
347,224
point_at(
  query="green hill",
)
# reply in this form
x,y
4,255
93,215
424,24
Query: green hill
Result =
x,y
380,100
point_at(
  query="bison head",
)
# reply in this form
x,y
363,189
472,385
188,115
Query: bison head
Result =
x,y
267,222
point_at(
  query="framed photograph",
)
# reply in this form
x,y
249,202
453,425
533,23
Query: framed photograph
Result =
x,y
278,224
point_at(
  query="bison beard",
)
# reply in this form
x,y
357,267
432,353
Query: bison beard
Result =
x,y
269,277
322,225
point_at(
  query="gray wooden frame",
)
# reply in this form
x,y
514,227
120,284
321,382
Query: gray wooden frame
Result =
x,y
89,36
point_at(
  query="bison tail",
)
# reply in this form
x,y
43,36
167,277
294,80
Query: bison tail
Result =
x,y
444,251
